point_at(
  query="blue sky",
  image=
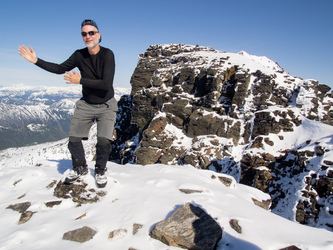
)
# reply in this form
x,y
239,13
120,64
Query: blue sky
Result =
x,y
297,34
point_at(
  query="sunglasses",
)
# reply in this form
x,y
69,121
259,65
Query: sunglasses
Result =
x,y
90,33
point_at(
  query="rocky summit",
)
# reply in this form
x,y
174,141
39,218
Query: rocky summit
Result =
x,y
237,114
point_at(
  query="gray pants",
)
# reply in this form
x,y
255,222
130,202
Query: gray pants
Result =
x,y
86,114
84,117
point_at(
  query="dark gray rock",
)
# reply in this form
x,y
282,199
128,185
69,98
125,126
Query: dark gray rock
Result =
x,y
225,180
189,191
52,203
235,225
80,235
265,204
188,227
20,207
136,228
25,216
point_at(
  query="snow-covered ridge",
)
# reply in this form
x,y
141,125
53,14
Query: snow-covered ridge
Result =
x,y
209,58
134,194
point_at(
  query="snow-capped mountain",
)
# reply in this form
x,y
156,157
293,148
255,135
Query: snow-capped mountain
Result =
x,y
237,114
37,114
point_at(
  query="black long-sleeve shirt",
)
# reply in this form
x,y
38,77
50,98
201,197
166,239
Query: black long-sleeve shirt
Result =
x,y
97,72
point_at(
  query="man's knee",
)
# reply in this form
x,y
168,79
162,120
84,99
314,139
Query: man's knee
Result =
x,y
103,141
74,139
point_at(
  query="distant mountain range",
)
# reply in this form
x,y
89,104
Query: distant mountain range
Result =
x,y
30,115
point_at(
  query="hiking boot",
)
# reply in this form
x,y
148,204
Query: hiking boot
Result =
x,y
101,180
74,174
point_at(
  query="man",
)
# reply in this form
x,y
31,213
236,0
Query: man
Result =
x,y
97,67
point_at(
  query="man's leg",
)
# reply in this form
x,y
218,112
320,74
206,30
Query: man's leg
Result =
x,y
78,160
79,129
103,150
105,126
78,156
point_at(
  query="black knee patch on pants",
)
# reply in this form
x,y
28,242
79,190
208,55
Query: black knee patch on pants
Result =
x,y
75,139
102,141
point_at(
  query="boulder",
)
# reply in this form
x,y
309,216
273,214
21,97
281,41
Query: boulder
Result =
x,y
80,235
20,207
136,228
25,216
188,227
234,224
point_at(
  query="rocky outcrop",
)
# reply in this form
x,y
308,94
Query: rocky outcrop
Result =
x,y
235,114
79,192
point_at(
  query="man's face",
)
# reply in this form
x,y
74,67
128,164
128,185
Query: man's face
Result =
x,y
90,41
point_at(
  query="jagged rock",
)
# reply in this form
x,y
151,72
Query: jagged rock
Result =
x,y
235,225
261,179
117,234
319,151
267,122
123,132
52,203
20,207
225,180
136,228
189,191
188,227
52,184
76,191
324,186
263,204
25,216
80,235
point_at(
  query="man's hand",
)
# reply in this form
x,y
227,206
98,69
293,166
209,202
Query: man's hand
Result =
x,y
72,77
29,55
